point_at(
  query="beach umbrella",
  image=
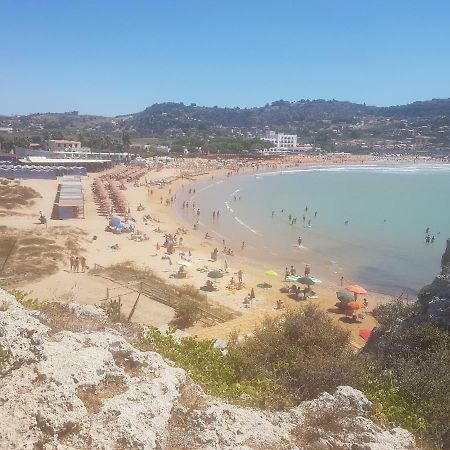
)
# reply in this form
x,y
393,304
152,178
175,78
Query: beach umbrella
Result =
x,y
356,289
306,280
271,273
215,274
115,221
354,305
344,296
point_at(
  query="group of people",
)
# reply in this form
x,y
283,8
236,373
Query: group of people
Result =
x,y
429,239
77,263
293,272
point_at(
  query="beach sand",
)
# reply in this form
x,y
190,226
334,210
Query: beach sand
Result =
x,y
64,285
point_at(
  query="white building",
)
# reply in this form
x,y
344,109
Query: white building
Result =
x,y
61,145
281,142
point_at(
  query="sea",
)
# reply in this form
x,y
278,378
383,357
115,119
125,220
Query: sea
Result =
x,y
366,223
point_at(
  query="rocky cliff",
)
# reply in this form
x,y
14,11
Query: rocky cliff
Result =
x,y
74,381
435,298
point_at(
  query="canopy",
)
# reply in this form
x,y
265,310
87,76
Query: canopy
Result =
x,y
356,289
271,273
344,296
115,221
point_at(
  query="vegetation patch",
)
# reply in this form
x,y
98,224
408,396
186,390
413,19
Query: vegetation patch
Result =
x,y
14,195
187,300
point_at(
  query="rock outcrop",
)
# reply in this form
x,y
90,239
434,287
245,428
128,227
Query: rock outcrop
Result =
x,y
74,381
435,298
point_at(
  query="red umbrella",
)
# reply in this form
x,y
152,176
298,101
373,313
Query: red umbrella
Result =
x,y
354,305
356,289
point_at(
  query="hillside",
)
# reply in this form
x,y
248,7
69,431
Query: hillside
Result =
x,y
419,126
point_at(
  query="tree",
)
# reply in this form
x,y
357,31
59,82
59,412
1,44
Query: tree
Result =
x,y
126,141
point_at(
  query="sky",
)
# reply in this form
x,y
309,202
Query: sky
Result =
x,y
118,57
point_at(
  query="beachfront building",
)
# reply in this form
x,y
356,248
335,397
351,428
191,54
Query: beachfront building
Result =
x,y
62,145
281,142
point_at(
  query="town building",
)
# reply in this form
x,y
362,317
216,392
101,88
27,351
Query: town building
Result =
x,y
62,145
281,142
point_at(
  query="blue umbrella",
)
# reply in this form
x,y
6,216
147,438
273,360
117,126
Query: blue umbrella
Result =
x,y
115,222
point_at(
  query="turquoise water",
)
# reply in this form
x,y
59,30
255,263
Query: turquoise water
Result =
x,y
383,245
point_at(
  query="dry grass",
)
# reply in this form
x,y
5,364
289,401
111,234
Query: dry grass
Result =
x,y
37,253
130,366
14,195
127,272
58,317
94,396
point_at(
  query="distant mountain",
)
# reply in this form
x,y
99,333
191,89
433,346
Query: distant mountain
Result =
x,y
315,120
282,115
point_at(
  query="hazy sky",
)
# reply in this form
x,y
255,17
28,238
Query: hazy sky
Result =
x,y
116,57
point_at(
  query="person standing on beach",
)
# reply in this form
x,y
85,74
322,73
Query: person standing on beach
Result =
x,y
240,273
225,265
243,245
286,273
72,263
83,263
307,270
77,264
299,241
342,280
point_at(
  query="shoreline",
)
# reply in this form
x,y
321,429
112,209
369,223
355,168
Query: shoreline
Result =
x,y
85,288
259,258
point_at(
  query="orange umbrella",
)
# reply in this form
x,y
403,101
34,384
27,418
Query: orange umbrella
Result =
x,y
356,289
354,305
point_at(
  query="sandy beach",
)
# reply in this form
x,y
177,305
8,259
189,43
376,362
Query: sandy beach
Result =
x,y
87,237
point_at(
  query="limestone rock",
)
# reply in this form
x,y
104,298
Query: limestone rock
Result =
x,y
81,388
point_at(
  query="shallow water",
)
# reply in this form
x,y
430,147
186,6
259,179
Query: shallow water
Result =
x,y
383,246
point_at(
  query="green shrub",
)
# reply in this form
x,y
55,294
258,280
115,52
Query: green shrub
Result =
x,y
25,299
391,313
215,370
186,313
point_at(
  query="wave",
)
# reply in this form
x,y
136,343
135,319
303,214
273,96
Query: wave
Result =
x,y
246,226
229,207
422,168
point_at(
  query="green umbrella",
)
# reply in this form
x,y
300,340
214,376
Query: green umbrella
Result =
x,y
345,296
271,273
306,280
